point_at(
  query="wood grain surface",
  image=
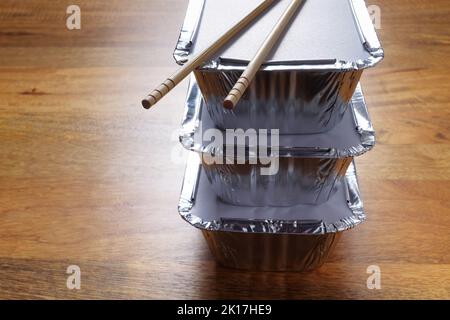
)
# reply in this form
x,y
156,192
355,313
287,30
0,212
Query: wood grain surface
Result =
x,y
89,178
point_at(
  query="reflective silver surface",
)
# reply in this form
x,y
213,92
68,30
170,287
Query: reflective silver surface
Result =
x,y
291,101
200,207
297,238
302,88
309,166
270,252
353,136
298,180
325,35
187,33
309,86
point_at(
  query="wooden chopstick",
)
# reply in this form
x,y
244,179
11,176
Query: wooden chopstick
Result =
x,y
249,73
203,56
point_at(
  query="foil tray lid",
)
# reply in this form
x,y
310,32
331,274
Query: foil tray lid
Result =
x,y
351,137
200,207
325,34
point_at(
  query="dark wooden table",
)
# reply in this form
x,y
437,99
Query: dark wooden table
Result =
x,y
87,176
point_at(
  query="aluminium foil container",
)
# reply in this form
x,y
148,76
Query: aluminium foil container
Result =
x,y
297,238
309,166
310,77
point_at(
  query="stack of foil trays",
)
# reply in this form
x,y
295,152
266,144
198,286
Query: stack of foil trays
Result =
x,y
272,184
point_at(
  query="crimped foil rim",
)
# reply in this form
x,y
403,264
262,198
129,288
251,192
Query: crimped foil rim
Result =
x,y
192,119
272,226
365,29
316,65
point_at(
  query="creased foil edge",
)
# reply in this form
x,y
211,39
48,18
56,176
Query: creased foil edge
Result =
x,y
192,119
365,28
188,31
274,226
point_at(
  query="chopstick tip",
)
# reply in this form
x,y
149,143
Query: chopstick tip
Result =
x,y
228,104
146,104
149,101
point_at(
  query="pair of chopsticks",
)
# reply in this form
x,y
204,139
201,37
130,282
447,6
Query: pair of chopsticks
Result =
x,y
249,73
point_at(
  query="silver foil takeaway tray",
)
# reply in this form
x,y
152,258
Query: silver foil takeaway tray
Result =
x,y
324,35
200,207
352,136
305,85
